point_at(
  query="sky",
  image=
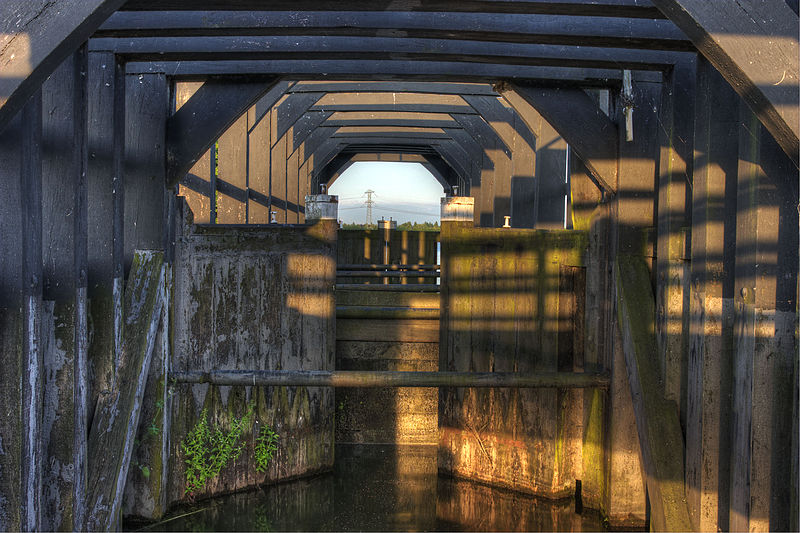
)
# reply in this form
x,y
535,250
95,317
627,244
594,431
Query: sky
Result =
x,y
406,192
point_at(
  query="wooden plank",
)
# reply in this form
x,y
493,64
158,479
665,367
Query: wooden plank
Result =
x,y
258,168
380,274
232,156
387,330
676,117
379,69
11,325
710,359
656,420
637,180
398,299
765,329
392,267
389,288
36,39
622,8
382,48
386,312
101,198
32,463
65,256
146,105
563,29
117,415
277,179
754,45
195,186
208,113
388,378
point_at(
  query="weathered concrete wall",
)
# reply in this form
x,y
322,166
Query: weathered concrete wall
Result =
x,y
504,310
254,298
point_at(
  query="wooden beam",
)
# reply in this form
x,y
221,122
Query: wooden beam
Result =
x,y
208,113
754,45
116,418
387,378
580,121
616,8
329,87
542,29
657,422
382,48
36,37
383,69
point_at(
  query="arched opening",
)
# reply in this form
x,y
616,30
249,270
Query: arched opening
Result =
x,y
405,192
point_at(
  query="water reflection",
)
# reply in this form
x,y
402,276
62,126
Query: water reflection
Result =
x,y
378,487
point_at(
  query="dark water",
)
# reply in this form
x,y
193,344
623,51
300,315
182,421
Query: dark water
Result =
x,y
381,488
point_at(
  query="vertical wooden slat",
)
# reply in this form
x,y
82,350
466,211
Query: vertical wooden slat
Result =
x,y
258,169
33,378
232,171
118,180
81,261
278,191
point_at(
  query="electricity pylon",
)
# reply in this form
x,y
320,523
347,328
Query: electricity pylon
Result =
x,y
369,203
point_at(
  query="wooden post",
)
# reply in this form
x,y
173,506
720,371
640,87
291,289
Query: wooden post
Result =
x,y
11,327
146,108
65,326
711,321
765,326
676,116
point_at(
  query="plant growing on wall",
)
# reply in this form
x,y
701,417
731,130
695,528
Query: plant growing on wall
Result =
x,y
209,449
266,446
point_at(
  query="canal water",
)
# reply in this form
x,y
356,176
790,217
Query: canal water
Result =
x,y
377,487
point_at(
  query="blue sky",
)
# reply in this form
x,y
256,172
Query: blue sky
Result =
x,y
403,191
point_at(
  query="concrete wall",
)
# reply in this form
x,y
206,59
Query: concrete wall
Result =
x,y
249,298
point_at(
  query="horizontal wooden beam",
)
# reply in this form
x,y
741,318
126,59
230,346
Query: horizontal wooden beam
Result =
x,y
497,27
374,70
371,379
390,122
602,8
393,267
382,48
388,288
380,274
394,87
388,313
